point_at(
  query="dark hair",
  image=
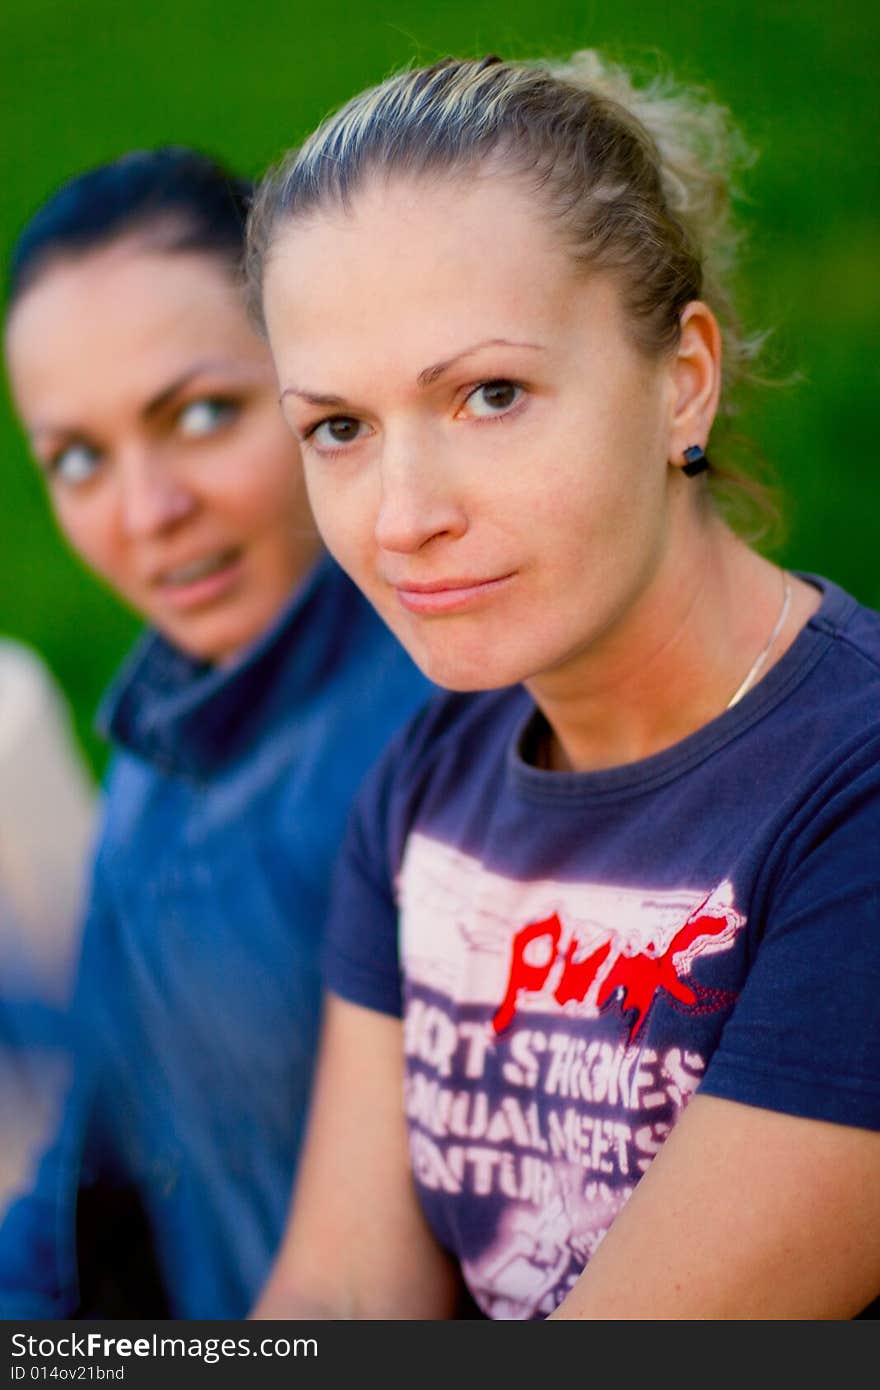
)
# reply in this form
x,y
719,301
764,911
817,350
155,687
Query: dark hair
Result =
x,y
188,199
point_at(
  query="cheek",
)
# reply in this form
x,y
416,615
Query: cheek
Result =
x,y
608,476
344,513
271,448
249,484
90,528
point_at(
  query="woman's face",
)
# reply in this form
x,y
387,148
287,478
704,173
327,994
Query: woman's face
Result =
x,y
486,451
152,408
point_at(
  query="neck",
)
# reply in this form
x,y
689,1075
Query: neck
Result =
x,y
673,659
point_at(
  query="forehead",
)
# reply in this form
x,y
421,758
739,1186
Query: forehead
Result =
x,y
425,266
118,321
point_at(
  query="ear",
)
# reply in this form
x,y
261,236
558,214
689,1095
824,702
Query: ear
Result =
x,y
696,375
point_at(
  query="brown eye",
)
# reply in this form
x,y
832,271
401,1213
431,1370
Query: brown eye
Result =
x,y
493,398
335,432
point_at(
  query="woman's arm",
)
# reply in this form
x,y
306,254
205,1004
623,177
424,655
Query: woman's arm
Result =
x,y
750,1211
357,1245
744,1214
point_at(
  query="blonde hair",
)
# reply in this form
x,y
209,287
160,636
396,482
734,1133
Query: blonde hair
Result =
x,y
638,180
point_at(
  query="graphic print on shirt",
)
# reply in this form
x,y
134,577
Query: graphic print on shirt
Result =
x,y
540,1080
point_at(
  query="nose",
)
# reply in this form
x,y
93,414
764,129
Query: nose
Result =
x,y
152,499
420,500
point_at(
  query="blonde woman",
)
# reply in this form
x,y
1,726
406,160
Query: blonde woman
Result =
x,y
604,952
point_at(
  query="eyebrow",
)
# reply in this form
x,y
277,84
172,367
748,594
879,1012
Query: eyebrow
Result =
x,y
426,377
156,403
429,375
313,397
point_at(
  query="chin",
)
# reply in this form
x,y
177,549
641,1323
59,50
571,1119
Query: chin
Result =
x,y
216,643
221,632
468,672
465,653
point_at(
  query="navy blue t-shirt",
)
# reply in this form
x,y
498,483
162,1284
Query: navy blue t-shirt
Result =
x,y
575,954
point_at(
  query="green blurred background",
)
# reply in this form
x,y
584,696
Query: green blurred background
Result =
x,y
82,82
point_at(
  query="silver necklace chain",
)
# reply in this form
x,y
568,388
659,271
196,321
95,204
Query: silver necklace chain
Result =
x,y
758,665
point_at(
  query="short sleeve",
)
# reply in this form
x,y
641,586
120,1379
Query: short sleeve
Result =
x,y
804,1036
360,955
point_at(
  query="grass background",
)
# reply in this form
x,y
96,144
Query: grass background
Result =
x,y
85,80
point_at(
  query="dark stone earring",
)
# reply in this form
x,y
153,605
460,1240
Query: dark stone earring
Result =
x,y
695,461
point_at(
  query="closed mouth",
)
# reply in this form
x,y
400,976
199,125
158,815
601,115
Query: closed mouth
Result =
x,y
448,595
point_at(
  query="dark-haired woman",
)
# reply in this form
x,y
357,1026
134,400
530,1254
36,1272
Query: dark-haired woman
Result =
x,y
241,723
605,942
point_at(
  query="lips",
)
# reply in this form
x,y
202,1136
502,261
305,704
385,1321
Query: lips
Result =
x,y
204,580
452,595
195,570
